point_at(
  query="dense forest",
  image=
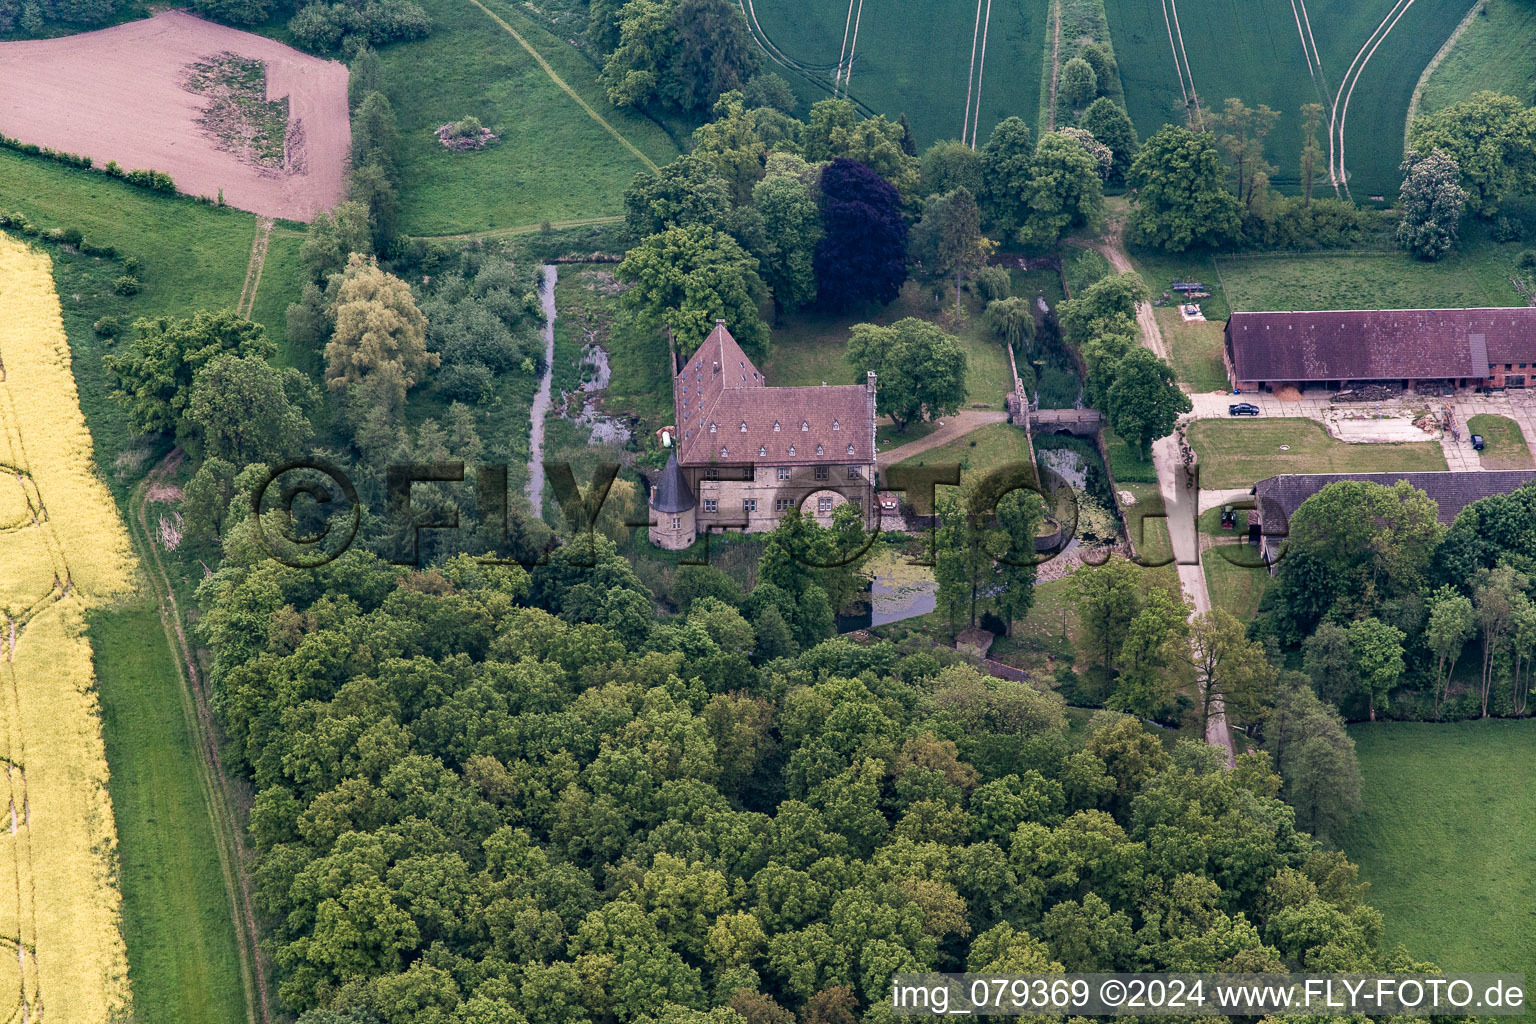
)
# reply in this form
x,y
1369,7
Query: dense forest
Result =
x,y
486,794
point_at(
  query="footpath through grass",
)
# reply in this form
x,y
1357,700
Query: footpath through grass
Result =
x,y
183,964
553,161
1445,839
1239,454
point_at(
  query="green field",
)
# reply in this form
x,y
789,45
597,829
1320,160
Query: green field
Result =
x,y
914,58
1493,53
991,447
1445,839
1234,454
554,161
183,963
1254,51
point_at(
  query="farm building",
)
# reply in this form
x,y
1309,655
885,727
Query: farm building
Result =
x,y
747,453
1332,349
1278,497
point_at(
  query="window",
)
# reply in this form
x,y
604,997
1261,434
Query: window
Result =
x,y
781,504
823,506
804,426
711,505
856,504
783,472
791,449
820,450
836,425
714,427
821,472
743,426
677,522
725,452
749,504
762,451
853,473
775,426
711,473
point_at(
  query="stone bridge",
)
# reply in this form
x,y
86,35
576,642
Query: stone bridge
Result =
x,y
1082,422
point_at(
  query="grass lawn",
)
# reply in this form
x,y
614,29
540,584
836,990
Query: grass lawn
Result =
x,y
925,73
1239,454
183,963
1125,462
1476,275
553,161
1254,51
1445,839
1504,444
1236,588
1493,53
1195,347
979,452
808,347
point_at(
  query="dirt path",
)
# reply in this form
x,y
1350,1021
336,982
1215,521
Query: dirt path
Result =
x,y
955,426
1179,499
1429,69
541,400
228,836
247,300
572,93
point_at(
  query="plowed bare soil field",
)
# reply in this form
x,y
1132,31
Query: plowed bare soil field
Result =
x,y
127,94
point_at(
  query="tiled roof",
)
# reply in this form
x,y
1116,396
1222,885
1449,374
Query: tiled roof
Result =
x,y
726,413
672,493
1278,497
1379,344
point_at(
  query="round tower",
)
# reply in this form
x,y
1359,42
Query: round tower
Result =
x,y
672,505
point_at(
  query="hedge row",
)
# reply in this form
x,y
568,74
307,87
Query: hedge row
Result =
x,y
57,236
155,181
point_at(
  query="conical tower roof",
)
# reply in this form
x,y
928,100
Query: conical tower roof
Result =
x,y
671,493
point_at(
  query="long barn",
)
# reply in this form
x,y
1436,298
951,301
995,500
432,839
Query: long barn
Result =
x,y
1336,348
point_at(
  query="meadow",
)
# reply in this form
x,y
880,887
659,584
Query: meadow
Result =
x,y
915,58
1504,442
1222,42
1493,53
1445,838
554,160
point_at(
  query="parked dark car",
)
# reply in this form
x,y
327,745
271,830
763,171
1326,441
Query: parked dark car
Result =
x,y
1242,409
1477,442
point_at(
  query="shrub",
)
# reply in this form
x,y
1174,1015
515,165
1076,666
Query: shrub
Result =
x,y
94,249
126,285
131,266
108,327
466,382
993,283
113,170
71,236
1507,229
1527,260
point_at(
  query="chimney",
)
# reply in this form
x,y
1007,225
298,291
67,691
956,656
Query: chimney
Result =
x,y
717,366
869,381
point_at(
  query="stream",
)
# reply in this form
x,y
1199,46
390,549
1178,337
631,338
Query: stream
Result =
x,y
541,400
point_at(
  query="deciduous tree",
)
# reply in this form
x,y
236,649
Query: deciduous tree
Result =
x,y
1431,200
862,257
684,279
1181,198
921,369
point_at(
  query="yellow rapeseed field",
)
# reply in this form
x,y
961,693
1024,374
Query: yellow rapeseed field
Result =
x,y
63,548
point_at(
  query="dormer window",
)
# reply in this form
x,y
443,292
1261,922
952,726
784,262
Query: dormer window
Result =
x,y
713,427
743,426
850,449
819,451
775,426
836,425
804,426
791,449
724,452
762,451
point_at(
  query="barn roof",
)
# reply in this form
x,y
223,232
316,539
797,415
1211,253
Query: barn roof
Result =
x,y
1278,497
726,413
1379,344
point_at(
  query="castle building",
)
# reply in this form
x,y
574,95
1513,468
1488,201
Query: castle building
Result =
x,y
744,453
